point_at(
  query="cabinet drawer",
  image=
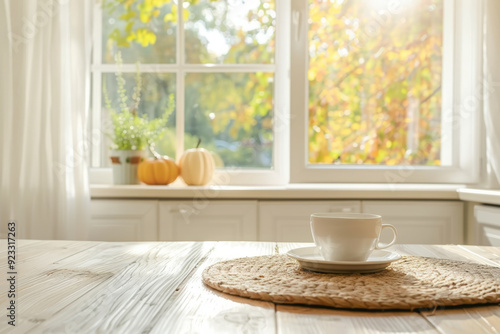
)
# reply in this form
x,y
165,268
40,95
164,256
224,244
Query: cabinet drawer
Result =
x,y
288,221
209,220
123,220
420,222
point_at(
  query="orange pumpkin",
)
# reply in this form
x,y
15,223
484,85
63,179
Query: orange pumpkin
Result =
x,y
159,171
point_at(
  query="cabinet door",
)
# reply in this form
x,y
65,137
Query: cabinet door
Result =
x,y
488,225
420,222
208,220
288,221
123,220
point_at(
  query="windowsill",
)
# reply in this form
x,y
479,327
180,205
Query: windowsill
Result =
x,y
291,191
486,196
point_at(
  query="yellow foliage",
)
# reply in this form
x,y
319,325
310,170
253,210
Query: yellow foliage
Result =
x,y
360,87
145,37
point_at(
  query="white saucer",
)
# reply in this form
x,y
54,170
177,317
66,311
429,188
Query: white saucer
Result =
x,y
310,259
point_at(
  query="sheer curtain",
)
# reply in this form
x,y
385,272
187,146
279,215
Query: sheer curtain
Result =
x,y
44,100
492,89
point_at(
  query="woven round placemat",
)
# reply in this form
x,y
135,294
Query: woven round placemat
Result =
x,y
412,282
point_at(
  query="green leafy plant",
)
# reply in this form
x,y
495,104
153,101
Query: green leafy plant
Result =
x,y
132,131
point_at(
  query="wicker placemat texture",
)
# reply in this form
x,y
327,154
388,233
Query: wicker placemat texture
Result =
x,y
410,283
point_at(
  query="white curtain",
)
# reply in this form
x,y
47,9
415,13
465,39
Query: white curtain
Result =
x,y
44,102
492,89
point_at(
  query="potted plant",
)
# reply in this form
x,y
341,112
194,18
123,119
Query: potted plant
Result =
x,y
132,133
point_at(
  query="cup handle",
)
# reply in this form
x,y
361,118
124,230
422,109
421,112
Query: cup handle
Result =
x,y
382,246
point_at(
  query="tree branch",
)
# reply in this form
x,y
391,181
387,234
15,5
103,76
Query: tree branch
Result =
x,y
431,95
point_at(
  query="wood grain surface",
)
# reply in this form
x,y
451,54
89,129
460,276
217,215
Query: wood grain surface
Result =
x,y
156,287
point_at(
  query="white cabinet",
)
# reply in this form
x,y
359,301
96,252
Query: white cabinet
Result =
x,y
289,220
418,222
488,225
207,220
123,220
421,222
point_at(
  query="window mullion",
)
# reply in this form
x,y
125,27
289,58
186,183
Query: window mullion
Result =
x,y
180,89
448,152
132,68
229,68
299,89
187,68
179,116
281,113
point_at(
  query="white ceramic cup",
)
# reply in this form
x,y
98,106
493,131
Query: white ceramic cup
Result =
x,y
348,236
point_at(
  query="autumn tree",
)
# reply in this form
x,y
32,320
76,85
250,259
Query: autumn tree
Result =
x,y
375,82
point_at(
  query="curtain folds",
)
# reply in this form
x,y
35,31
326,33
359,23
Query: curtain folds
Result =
x,y
44,104
492,89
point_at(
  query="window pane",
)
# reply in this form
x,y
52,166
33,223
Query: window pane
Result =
x,y
157,95
145,34
375,82
230,31
232,113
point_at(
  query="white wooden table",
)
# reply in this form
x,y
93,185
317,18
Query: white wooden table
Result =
x,y
98,287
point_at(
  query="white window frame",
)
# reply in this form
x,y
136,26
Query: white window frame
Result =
x,y
278,174
462,100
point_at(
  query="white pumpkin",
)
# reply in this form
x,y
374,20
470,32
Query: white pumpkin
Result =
x,y
197,166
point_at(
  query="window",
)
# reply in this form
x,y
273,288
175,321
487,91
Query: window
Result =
x,y
385,91
213,62
302,90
